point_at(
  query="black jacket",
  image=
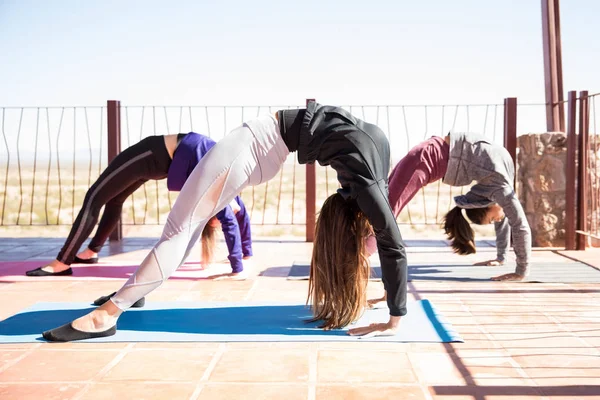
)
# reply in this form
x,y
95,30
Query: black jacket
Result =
x,y
360,154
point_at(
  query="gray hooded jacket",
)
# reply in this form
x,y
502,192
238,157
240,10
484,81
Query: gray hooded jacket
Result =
x,y
474,158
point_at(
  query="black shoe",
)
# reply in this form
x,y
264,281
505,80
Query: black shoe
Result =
x,y
101,300
67,333
40,272
93,260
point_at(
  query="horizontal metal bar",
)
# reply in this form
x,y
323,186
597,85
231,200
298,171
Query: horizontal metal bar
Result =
x,y
588,234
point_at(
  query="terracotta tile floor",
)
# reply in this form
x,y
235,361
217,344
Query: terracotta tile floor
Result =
x,y
522,341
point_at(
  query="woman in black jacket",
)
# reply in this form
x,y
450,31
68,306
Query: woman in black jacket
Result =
x,y
254,153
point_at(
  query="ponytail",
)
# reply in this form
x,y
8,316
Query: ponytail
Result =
x,y
209,243
459,230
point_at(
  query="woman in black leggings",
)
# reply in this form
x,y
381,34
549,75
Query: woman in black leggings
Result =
x,y
155,157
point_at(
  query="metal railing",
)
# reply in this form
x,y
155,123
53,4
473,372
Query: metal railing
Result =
x,y
51,155
583,171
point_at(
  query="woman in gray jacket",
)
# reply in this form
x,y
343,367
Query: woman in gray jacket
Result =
x,y
459,159
492,199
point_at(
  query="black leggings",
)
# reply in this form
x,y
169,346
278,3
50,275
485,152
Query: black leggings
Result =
x,y
148,159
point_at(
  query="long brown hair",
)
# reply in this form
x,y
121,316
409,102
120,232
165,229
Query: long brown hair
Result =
x,y
459,230
339,269
209,243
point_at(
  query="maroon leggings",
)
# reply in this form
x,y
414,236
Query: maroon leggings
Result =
x,y
425,163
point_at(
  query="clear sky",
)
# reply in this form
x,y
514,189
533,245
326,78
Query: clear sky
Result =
x,y
147,52
342,52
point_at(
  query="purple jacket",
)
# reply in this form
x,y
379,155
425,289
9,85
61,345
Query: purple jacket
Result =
x,y
236,227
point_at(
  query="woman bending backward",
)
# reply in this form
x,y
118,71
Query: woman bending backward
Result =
x,y
459,159
154,158
254,153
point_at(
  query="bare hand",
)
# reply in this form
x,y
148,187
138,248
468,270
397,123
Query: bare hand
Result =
x,y
235,207
230,276
377,329
371,245
372,302
489,263
509,277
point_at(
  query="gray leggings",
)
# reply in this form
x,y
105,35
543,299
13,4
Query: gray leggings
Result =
x,y
249,155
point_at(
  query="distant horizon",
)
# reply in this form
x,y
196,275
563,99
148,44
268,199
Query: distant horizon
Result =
x,y
83,131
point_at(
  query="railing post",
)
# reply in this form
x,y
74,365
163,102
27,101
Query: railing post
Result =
x,y
582,177
113,115
571,172
510,130
555,115
311,197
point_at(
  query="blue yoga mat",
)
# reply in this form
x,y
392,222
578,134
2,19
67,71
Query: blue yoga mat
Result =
x,y
224,322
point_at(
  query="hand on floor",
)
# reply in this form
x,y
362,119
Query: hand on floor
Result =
x,y
376,329
489,263
230,276
509,277
373,302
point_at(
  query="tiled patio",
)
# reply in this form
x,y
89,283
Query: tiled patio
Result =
x,y
522,340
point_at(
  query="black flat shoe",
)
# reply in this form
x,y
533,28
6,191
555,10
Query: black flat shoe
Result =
x,y
93,260
67,333
101,300
40,272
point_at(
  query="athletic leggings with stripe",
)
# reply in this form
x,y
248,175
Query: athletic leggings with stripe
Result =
x,y
129,170
249,155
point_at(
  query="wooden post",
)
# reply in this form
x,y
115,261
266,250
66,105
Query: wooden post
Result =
x,y
113,115
582,170
311,197
571,172
555,114
510,130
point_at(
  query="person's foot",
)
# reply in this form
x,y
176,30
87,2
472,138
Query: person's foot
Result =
x,y
55,268
98,320
248,263
78,260
103,299
86,257
42,272
514,277
99,323
67,333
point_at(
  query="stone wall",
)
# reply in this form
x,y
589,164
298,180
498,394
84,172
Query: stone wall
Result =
x,y
541,183
594,185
